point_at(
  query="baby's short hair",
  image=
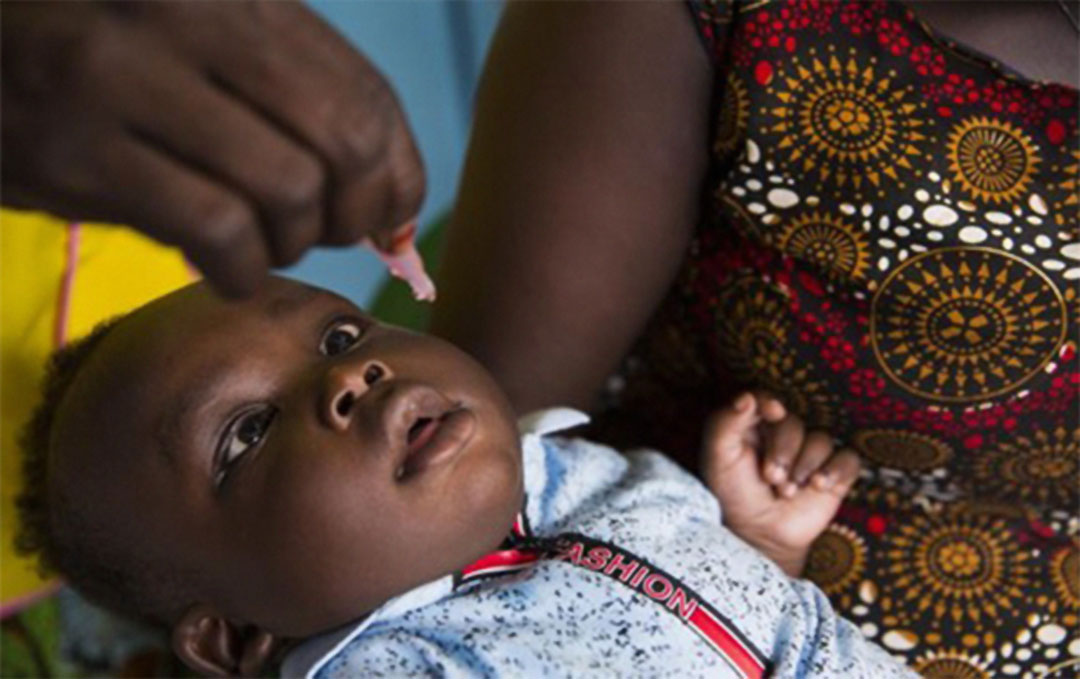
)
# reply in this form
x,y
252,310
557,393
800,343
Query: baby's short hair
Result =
x,y
86,554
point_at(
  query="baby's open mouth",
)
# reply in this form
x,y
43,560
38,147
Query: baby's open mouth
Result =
x,y
433,440
421,432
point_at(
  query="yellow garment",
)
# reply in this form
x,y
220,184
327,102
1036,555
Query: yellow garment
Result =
x,y
115,270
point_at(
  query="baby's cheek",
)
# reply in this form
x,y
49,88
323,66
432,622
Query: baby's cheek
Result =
x,y
318,501
337,558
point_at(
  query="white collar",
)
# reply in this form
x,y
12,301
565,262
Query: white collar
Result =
x,y
309,657
550,421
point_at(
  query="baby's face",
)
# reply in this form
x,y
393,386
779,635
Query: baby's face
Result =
x,y
301,461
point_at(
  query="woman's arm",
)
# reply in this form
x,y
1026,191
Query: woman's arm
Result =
x,y
580,192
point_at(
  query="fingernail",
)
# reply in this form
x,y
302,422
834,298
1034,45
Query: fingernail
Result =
x,y
743,402
788,489
822,480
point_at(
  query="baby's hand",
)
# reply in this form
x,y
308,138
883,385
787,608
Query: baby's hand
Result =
x,y
778,485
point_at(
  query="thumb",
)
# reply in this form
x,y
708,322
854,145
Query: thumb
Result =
x,y
729,434
730,460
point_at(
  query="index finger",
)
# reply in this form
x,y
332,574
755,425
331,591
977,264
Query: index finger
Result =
x,y
215,228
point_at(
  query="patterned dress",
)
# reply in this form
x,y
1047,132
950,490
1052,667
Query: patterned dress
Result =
x,y
890,243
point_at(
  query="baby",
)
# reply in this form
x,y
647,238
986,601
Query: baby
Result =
x,y
287,479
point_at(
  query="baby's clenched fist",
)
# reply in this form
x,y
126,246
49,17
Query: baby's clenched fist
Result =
x,y
778,484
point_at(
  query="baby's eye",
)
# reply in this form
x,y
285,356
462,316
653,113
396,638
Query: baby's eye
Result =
x,y
243,433
341,336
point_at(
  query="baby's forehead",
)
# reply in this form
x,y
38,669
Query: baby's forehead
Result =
x,y
278,298
192,325
197,309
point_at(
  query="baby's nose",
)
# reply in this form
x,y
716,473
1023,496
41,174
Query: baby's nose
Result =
x,y
346,383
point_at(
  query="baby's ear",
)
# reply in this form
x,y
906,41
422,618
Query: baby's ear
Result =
x,y
212,646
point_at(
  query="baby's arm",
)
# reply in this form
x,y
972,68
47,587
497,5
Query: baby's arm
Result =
x,y
780,514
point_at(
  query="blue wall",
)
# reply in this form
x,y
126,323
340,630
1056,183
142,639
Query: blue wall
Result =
x,y
432,53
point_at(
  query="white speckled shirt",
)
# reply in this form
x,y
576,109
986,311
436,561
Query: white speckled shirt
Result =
x,y
618,567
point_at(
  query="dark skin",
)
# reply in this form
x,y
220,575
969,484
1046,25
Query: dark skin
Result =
x,y
583,180
1034,38
242,132
272,463
579,194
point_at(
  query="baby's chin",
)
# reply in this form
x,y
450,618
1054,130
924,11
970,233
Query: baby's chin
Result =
x,y
487,501
493,492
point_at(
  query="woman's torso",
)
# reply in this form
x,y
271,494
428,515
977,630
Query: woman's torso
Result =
x,y
890,243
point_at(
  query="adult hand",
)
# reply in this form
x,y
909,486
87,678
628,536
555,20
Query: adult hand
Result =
x,y
243,132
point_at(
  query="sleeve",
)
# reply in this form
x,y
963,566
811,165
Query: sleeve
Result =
x,y
713,20
813,641
788,623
